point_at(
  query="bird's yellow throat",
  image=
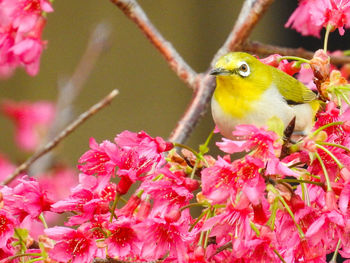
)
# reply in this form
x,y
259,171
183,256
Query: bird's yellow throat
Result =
x,y
235,95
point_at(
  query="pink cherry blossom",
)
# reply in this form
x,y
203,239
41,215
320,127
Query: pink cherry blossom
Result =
x,y
128,209
234,220
7,225
29,51
21,26
31,121
72,245
123,240
7,251
255,247
217,181
170,238
306,76
167,195
128,139
312,15
26,199
96,160
249,137
86,200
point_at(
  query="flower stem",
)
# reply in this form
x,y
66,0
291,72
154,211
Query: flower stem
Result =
x,y
194,168
345,98
271,221
200,242
35,260
335,253
335,159
42,219
197,220
303,60
206,143
23,255
21,241
333,145
188,148
271,188
325,127
279,255
328,30
290,180
328,182
192,205
254,228
306,196
115,202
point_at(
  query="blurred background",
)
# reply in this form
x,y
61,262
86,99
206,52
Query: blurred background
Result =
x,y
151,97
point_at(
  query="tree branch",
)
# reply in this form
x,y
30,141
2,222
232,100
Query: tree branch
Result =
x,y
133,11
70,89
265,50
251,13
63,134
195,110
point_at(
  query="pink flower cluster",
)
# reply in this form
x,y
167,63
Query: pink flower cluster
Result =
x,y
21,26
312,15
248,205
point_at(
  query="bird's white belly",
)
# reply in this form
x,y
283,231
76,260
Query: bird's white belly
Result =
x,y
270,104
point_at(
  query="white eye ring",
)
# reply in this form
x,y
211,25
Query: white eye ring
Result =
x,y
243,69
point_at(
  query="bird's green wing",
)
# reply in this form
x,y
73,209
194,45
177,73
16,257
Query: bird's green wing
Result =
x,y
291,89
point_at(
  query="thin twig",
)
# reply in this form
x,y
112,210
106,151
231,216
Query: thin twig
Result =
x,y
251,12
195,110
265,49
70,89
69,129
133,11
222,248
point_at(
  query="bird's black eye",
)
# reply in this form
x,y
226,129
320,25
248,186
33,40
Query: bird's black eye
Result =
x,y
243,69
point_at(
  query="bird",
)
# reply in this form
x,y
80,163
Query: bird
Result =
x,y
251,92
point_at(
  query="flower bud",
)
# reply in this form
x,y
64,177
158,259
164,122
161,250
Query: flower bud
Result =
x,y
259,214
330,201
144,210
130,206
199,253
296,202
172,216
272,60
163,146
346,126
345,174
124,185
191,184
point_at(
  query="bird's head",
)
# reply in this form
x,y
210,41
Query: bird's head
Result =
x,y
238,64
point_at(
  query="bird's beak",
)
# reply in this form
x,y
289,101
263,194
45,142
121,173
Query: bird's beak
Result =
x,y
220,71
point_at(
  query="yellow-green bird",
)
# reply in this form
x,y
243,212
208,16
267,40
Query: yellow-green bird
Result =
x,y
250,92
